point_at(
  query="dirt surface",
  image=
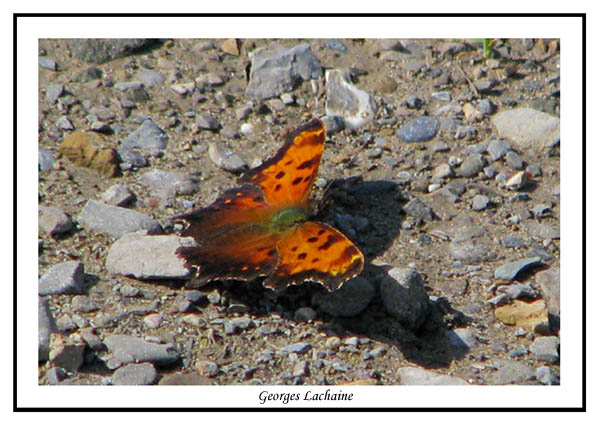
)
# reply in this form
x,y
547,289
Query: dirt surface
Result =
x,y
458,289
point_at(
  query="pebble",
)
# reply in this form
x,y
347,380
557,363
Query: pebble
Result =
x,y
518,352
509,271
472,165
205,121
209,79
404,297
63,278
422,376
480,202
276,70
336,45
300,348
512,242
344,100
541,230
83,303
549,283
225,158
67,356
150,78
54,91
148,136
516,182
413,102
53,220
545,376
498,148
114,221
419,210
333,342
135,374
55,375
117,195
510,371
128,85
300,369
132,157
527,127
545,348
153,320
47,63
185,379
468,252
183,88
420,129
46,326
442,96
65,323
486,107
517,290
349,300
169,184
513,160
147,256
129,349
351,341
46,160
443,171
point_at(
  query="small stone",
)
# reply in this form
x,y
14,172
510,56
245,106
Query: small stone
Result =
x,y
497,148
304,314
549,283
442,96
404,297
510,371
545,376
63,278
114,221
117,195
512,242
333,342
527,127
86,150
148,136
47,63
509,271
207,368
349,300
480,202
443,171
462,337
230,46
420,129
53,220
46,160
55,375
46,326
472,165
183,88
150,77
421,376
513,160
300,348
419,210
130,349
83,304
300,369
54,91
207,122
225,158
336,45
67,356
545,348
353,105
135,374
153,320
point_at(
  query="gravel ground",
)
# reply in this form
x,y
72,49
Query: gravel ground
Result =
x,y
446,175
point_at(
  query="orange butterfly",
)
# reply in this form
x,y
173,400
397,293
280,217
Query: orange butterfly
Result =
x,y
261,227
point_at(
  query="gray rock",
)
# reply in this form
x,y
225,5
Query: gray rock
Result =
x,y
421,376
64,123
205,121
545,376
169,184
67,356
97,50
472,165
541,230
129,86
300,369
480,202
114,221
518,291
64,278
53,220
419,210
276,70
49,64
82,303
148,256
512,242
46,160
545,348
130,349
443,171
442,96
135,374
513,160
132,157
148,136
305,313
420,129
353,105
117,195
299,347
486,107
225,158
527,127
468,252
510,371
150,78
55,375
46,326
404,297
54,91
509,271
336,45
549,283
462,337
349,300
542,210
497,148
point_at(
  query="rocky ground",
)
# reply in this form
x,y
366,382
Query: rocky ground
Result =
x,y
441,164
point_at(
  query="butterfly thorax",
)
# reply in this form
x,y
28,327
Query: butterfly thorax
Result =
x,y
286,218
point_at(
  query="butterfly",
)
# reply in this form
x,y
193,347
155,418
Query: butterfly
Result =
x,y
262,227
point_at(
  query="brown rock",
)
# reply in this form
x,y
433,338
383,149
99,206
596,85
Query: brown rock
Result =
x,y
230,46
85,150
531,316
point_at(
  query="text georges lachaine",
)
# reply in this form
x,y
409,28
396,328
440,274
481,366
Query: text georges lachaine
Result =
x,y
308,395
